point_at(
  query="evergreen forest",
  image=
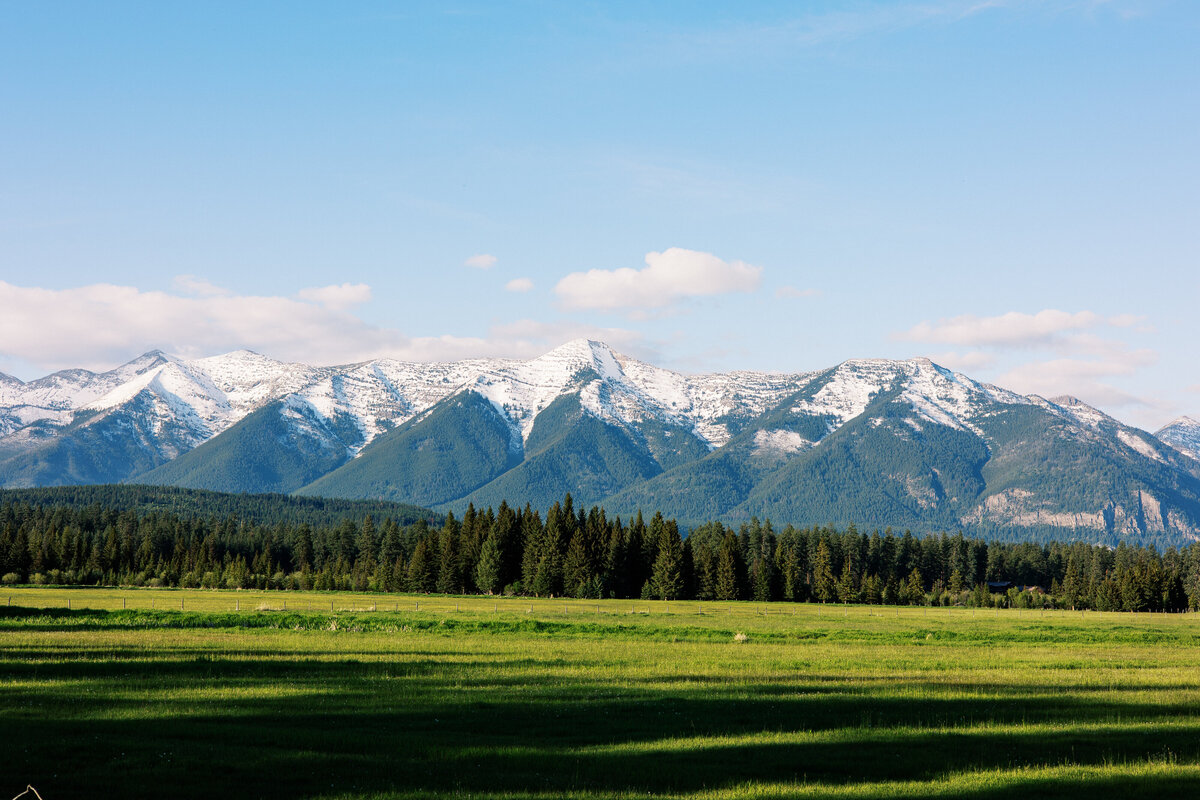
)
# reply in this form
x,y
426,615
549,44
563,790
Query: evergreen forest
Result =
x,y
104,538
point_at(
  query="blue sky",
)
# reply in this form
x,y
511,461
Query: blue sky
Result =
x,y
1010,188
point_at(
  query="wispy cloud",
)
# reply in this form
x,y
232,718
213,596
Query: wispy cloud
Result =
x,y
480,261
339,298
190,284
794,293
1086,378
668,277
820,28
102,325
1015,329
519,285
1049,353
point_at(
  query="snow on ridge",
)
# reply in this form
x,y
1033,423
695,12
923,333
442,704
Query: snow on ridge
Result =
x,y
124,392
851,388
934,393
213,393
780,441
1183,434
1080,412
1140,445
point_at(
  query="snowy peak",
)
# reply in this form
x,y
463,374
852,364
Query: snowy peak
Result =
x,y
1182,434
934,393
574,356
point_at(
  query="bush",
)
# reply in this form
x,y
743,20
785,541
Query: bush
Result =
x,y
10,578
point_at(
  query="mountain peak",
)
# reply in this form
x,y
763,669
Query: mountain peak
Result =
x,y
581,346
1067,401
583,353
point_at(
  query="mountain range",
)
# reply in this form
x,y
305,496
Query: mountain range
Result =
x,y
908,443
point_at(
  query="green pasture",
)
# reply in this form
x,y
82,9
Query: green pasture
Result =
x,y
125,694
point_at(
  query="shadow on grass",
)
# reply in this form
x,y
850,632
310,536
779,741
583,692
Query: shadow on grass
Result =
x,y
302,723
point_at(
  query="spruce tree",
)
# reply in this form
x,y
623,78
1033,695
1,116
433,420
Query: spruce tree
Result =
x,y
488,575
421,575
728,586
667,580
823,587
449,579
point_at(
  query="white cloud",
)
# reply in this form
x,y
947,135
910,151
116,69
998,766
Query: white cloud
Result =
x,y
519,285
668,277
480,261
1049,353
99,326
338,298
1083,378
190,284
102,324
815,27
793,292
1014,329
526,338
964,362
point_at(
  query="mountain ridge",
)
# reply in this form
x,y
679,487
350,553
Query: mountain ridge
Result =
x,y
867,438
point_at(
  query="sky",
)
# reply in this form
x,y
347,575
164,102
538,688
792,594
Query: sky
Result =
x,y
1008,187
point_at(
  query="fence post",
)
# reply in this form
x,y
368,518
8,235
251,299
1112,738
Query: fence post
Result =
x,y
68,604
122,603
237,604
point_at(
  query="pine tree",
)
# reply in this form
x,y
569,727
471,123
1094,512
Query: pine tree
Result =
x,y
548,576
847,591
823,587
488,573
728,587
578,574
366,543
667,580
421,575
616,569
449,579
914,588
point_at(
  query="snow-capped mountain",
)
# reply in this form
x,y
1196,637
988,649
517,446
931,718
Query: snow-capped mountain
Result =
x,y
1183,434
906,443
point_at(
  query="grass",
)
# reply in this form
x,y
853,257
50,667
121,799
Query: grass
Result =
x,y
473,697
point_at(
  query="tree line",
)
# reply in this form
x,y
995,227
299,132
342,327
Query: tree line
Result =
x,y
584,553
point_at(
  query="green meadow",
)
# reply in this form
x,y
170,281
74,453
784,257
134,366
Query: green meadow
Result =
x,y
229,694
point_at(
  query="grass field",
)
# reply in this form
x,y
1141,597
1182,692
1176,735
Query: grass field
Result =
x,y
408,697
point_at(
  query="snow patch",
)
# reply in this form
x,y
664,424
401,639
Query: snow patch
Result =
x,y
779,441
1140,445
